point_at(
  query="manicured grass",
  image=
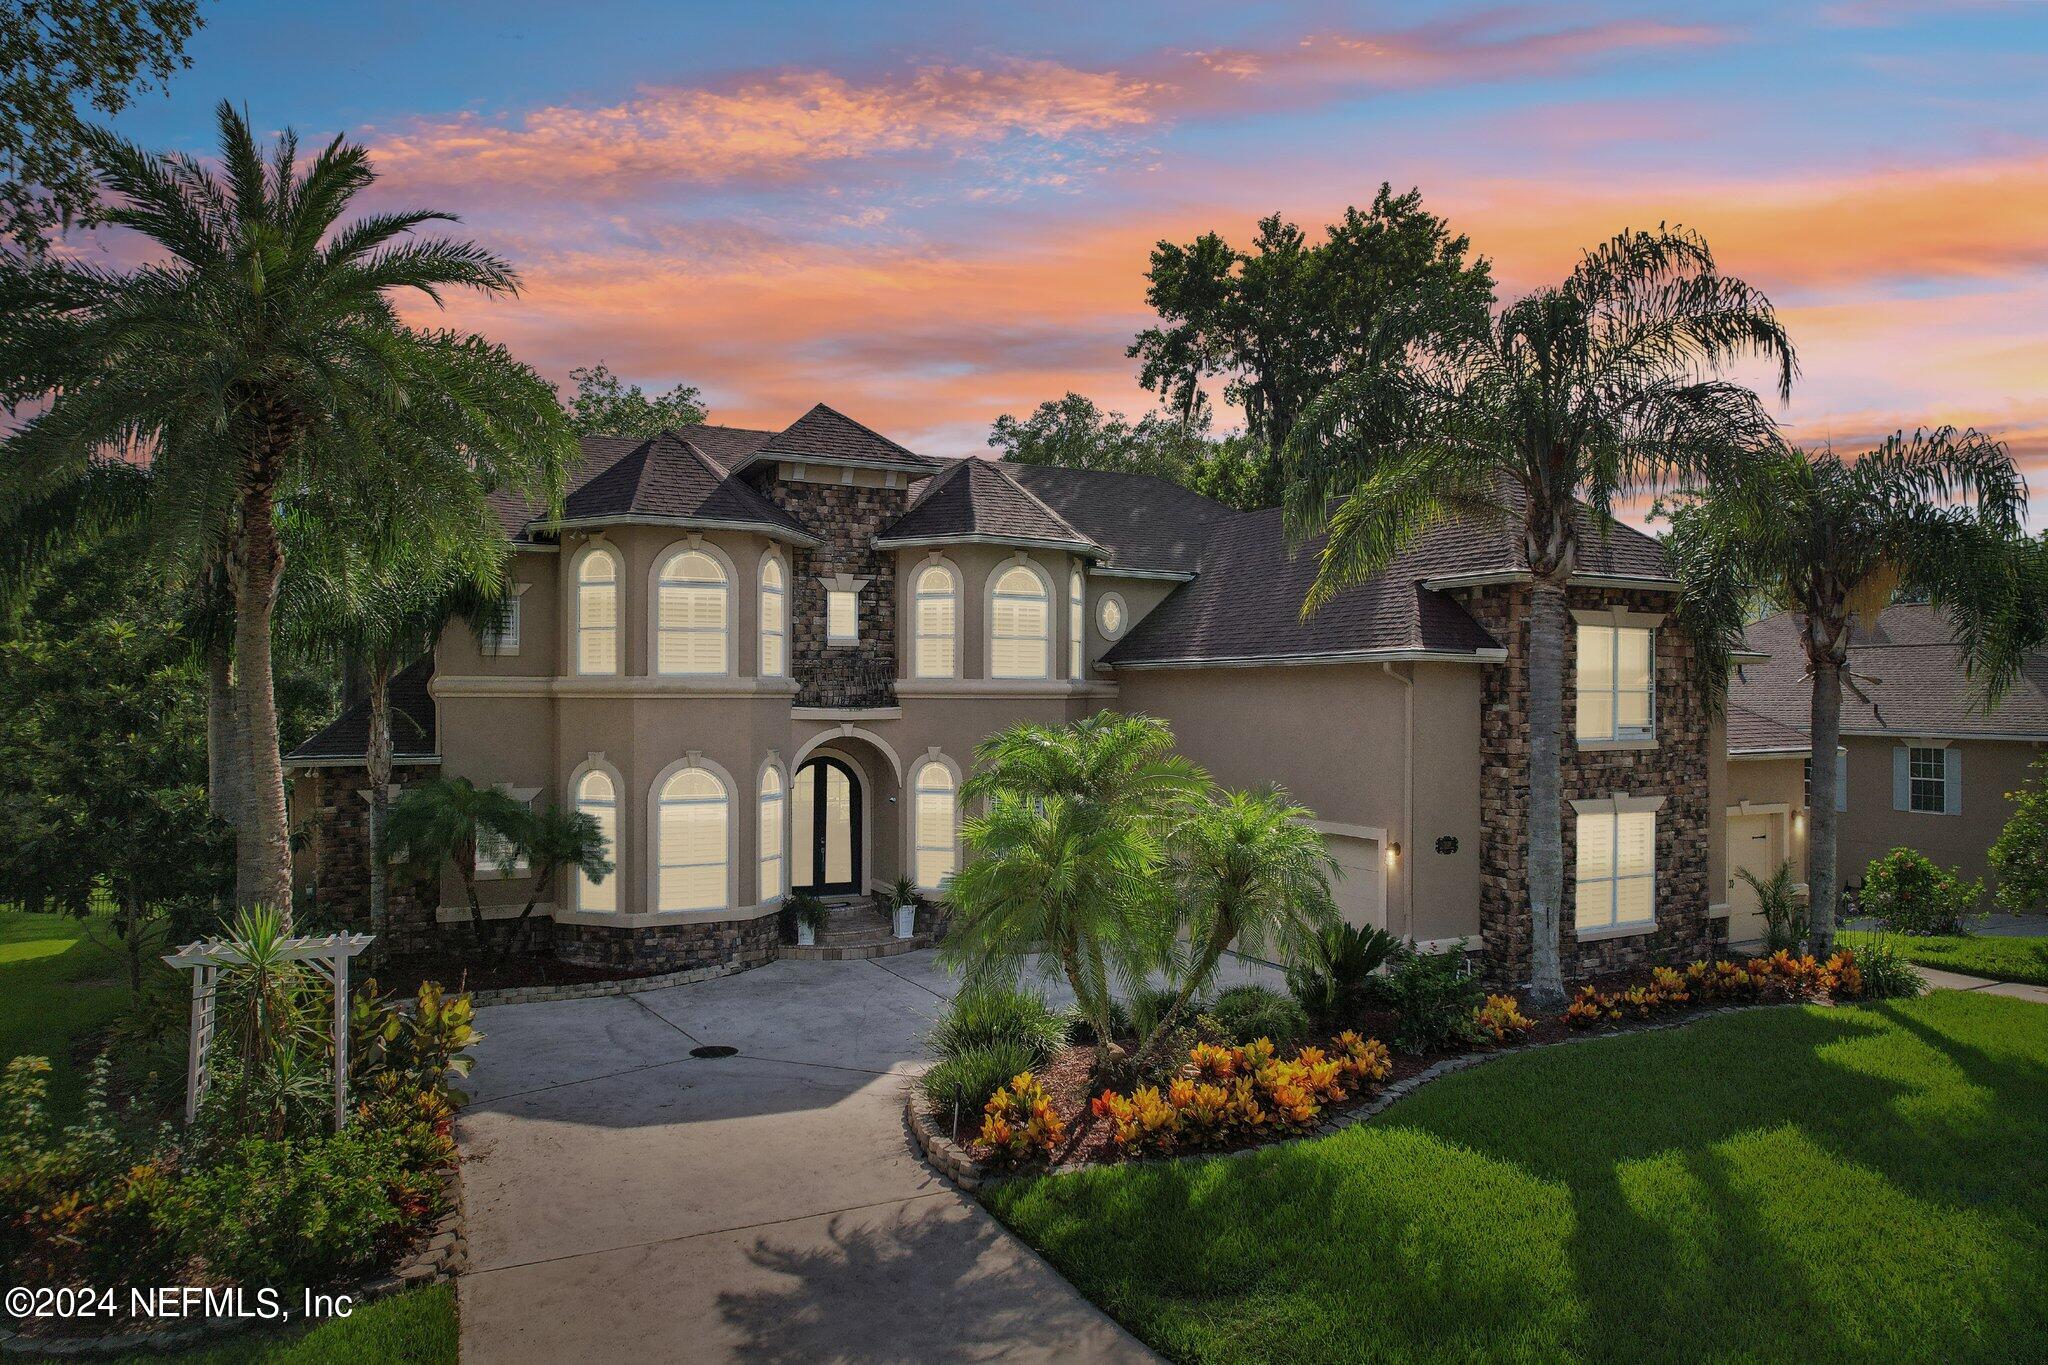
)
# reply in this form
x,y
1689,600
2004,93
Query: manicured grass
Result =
x,y
1862,1183
417,1327
2001,959
56,985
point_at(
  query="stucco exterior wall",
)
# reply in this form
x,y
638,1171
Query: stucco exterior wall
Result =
x,y
1870,828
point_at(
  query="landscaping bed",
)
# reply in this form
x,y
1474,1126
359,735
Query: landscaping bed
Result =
x,y
1997,958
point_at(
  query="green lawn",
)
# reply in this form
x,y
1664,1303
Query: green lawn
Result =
x,y
2002,959
417,1327
1786,1184
56,984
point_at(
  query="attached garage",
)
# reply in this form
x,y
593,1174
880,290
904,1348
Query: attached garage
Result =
x,y
1360,889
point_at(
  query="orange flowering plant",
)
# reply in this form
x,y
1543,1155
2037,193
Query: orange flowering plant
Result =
x,y
1500,1018
1019,1122
1226,1094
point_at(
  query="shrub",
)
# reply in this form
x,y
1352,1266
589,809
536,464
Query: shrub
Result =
x,y
963,1082
984,1016
1335,980
1785,920
1910,895
1432,997
1227,1094
1149,1006
800,907
1079,1030
1501,1019
1019,1122
2020,854
1885,973
1247,1013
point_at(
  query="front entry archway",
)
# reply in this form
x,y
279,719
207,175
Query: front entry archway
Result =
x,y
825,814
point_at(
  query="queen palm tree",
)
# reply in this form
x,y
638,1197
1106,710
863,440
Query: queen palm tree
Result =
x,y
444,820
1579,393
265,326
1939,513
1062,865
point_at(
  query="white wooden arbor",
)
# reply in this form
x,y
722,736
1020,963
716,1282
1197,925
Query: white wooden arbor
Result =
x,y
329,956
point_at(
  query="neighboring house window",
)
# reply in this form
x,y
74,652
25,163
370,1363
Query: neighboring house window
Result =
x,y
1927,779
690,615
1617,682
597,798
690,842
935,828
1617,875
597,613
1076,618
1020,643
503,636
935,617
842,616
773,807
774,620
1109,616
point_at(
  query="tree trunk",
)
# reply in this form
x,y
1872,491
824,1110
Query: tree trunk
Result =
x,y
377,764
516,936
1821,878
223,735
131,911
263,875
1546,806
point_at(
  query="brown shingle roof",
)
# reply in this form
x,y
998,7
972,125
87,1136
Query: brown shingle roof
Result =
x,y
826,434
413,736
1907,667
669,477
1750,732
978,499
1147,524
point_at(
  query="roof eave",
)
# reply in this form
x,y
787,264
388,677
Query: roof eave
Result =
x,y
1497,577
1345,656
1735,755
759,528
916,465
1079,547
1160,575
357,761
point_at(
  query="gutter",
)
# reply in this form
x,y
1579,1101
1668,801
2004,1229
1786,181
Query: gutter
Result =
x,y
1341,656
1078,547
758,528
1496,577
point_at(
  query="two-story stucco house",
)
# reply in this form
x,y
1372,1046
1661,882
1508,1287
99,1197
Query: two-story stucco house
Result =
x,y
763,659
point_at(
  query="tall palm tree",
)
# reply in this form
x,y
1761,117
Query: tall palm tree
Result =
x,y
1062,865
266,325
1582,392
1938,513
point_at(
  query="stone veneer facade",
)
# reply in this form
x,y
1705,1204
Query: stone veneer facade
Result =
x,y
847,517
734,944
340,862
1675,768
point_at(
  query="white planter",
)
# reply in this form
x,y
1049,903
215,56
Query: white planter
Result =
x,y
805,937
906,921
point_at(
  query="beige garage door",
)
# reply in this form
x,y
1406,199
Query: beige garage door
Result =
x,y
1360,890
1752,845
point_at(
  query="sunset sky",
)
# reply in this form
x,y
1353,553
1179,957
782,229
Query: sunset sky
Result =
x,y
929,215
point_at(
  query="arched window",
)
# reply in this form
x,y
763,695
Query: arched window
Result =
x,y
597,613
774,620
690,840
1020,626
773,808
597,798
934,855
935,614
691,612
1076,650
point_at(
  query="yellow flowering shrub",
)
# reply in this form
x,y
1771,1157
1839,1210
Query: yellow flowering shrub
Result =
x,y
1019,1122
1227,1094
1500,1018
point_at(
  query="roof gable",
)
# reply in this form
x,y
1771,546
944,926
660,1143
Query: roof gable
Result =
x,y
828,436
979,500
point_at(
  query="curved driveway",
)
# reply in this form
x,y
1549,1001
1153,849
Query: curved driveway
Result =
x,y
628,1201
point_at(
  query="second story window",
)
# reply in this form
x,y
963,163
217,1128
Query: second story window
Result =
x,y
1020,626
774,620
1077,615
935,615
502,639
842,616
1617,682
691,607
597,613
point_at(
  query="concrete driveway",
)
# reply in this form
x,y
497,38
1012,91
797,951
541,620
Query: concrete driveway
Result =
x,y
629,1201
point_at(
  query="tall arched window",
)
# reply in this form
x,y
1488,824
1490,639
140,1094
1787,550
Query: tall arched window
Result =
x,y
597,612
1020,626
934,855
774,620
935,616
773,807
690,838
691,613
597,798
1076,593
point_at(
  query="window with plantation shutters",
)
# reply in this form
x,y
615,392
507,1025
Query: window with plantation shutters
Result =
x,y
935,623
1617,869
935,827
692,601
774,806
1076,615
597,798
691,818
774,620
1617,682
1020,626
597,613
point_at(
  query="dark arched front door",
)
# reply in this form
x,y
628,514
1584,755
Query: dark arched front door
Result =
x,y
824,829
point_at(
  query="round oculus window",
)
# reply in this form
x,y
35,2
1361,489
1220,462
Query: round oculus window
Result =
x,y
1109,616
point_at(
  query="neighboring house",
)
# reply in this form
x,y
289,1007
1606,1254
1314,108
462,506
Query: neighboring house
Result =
x,y
763,660
1924,764
1767,810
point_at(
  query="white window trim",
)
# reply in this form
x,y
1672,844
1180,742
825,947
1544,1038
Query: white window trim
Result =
x,y
497,872
988,617
700,545
841,582
693,759
957,588
1617,619
911,846
1612,806
1102,603
575,614
773,764
761,594
1951,777
506,645
597,763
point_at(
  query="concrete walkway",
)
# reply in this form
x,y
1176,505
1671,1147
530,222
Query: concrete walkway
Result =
x,y
629,1201
1938,980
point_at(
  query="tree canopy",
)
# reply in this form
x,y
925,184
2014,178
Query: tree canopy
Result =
x,y
1074,433
606,405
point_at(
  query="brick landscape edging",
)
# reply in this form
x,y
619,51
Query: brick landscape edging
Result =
x,y
441,1256
952,1160
585,990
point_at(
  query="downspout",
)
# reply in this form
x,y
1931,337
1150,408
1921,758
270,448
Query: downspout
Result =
x,y
1407,861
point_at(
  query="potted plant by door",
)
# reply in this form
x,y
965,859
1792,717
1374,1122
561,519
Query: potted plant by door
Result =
x,y
906,908
807,915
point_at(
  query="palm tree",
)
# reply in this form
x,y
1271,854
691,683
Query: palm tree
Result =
x,y
1250,870
266,329
1062,866
554,841
443,821
1938,513
1583,392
